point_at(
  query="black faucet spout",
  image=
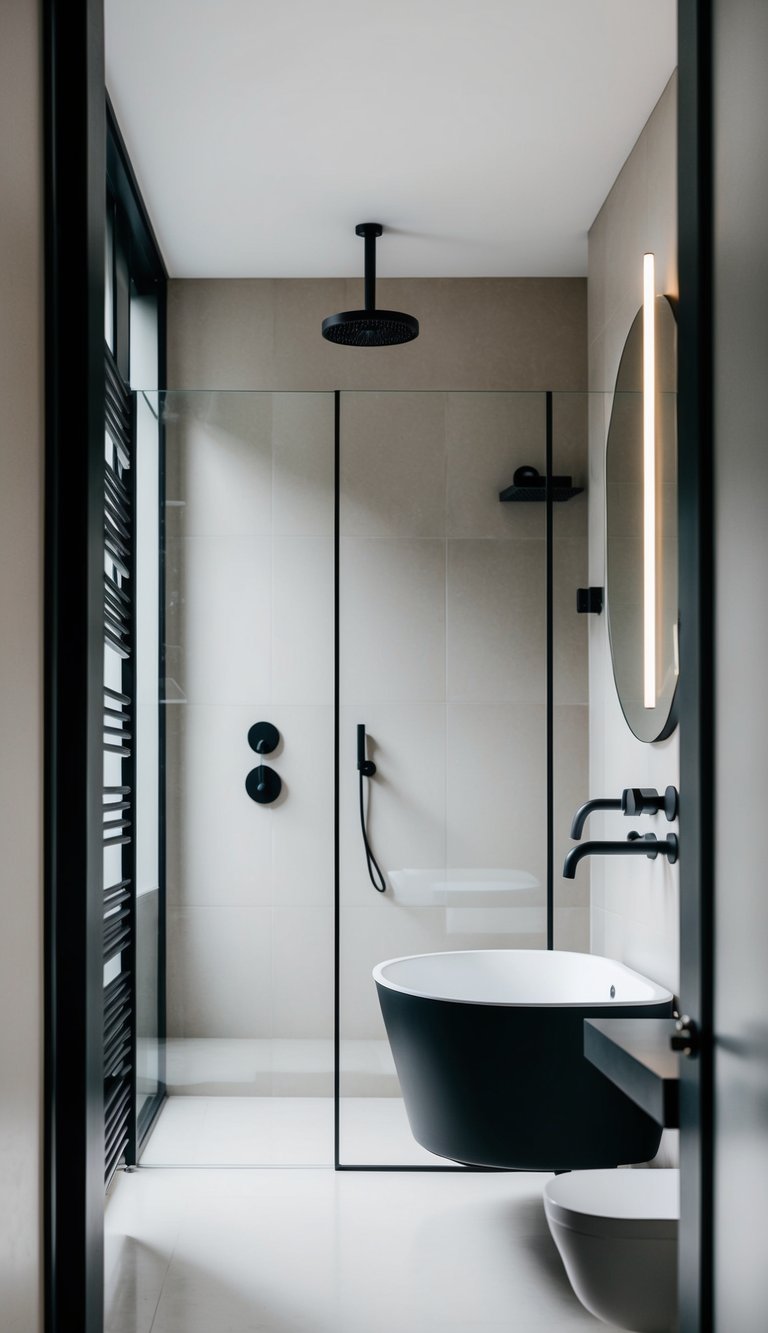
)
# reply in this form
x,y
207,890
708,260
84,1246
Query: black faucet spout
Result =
x,y
585,810
635,845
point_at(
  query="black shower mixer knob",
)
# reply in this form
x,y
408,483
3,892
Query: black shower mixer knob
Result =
x,y
263,737
263,785
647,801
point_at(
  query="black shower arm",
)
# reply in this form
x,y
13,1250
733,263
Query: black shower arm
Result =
x,y
370,265
370,231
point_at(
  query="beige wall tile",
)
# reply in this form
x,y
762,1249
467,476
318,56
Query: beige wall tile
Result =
x,y
393,465
221,849
488,436
496,620
496,800
302,358
303,464
476,333
302,620
220,449
227,617
220,972
221,335
571,929
302,826
570,628
392,619
302,977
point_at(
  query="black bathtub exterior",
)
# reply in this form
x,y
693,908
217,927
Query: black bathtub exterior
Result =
x,y
508,1086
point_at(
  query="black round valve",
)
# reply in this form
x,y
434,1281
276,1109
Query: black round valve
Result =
x,y
263,785
263,737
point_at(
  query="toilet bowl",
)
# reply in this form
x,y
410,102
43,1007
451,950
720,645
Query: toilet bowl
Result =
x,y
617,1236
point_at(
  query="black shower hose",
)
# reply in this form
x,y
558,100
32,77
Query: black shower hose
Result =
x,y
373,865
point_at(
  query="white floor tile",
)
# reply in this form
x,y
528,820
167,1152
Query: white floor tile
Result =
x,y
307,1251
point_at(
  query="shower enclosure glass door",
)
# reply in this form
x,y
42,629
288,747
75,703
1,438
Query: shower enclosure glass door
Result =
x,y
249,623
443,657
332,561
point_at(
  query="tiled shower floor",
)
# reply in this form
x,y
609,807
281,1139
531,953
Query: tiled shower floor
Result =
x,y
282,1131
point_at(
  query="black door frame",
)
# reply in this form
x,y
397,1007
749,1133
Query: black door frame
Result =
x,y
75,174
696,537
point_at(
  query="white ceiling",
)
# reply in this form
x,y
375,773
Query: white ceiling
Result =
x,y
483,134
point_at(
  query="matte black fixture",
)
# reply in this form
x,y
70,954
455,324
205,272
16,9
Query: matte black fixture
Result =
x,y
637,844
263,785
633,801
589,600
528,484
585,810
686,1039
370,327
646,801
263,737
366,769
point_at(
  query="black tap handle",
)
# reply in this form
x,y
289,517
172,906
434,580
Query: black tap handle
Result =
x,y
646,801
364,766
263,737
670,847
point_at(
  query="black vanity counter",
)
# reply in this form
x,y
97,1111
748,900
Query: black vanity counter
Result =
x,y
635,1054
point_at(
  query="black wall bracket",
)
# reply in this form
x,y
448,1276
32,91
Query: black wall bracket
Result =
x,y
589,599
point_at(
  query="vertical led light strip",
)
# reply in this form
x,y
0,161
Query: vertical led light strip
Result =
x,y
649,483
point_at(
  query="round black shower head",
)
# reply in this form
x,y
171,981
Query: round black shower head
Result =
x,y
370,327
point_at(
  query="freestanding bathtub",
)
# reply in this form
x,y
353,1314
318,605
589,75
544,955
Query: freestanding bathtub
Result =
x,y
488,1046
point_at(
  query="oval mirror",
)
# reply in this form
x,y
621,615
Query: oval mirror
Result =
x,y
641,534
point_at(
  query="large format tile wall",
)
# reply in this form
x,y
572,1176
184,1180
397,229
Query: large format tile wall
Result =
x,y
249,620
634,911
442,638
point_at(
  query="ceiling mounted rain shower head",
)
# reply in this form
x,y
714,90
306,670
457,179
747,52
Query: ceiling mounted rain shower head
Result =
x,y
370,327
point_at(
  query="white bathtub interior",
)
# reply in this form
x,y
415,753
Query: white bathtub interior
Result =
x,y
524,977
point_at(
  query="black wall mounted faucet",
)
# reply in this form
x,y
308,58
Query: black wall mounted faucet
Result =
x,y
647,801
636,844
633,801
585,810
